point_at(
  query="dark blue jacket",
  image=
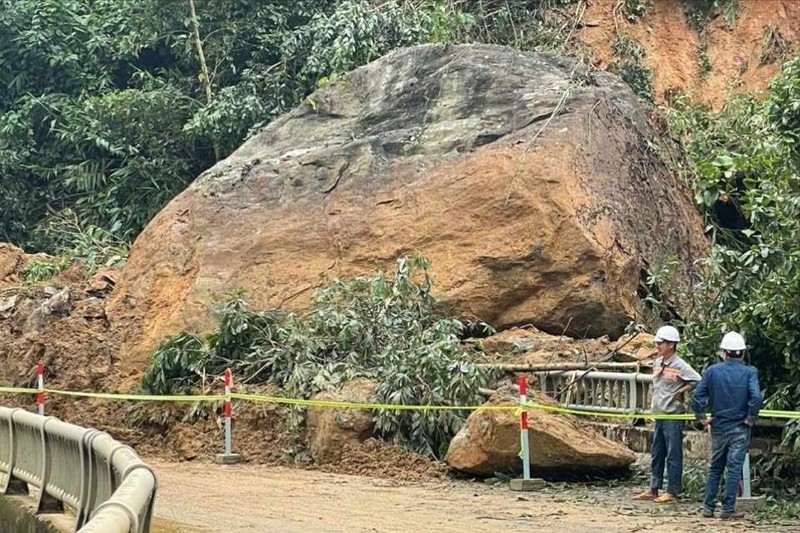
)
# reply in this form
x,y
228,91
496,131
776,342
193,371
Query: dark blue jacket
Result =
x,y
731,390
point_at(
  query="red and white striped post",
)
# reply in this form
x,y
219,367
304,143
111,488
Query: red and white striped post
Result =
x,y
523,424
228,457
228,410
526,483
40,388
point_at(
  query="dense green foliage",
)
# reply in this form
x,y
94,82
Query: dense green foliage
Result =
x,y
746,174
376,327
105,108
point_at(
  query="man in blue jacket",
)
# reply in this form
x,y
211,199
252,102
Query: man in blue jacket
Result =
x,y
731,390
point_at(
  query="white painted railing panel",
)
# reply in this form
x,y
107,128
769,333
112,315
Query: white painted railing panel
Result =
x,y
110,488
612,392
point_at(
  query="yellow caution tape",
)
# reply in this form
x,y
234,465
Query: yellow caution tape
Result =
x,y
334,404
138,397
17,390
119,397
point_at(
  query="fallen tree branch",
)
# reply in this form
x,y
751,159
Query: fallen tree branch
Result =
x,y
550,367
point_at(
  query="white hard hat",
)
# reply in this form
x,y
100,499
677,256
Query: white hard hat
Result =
x,y
733,342
667,334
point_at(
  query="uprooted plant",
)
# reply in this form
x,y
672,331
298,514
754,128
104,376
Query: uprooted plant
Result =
x,y
378,327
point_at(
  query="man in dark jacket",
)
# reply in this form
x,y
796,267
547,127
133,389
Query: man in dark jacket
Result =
x,y
731,390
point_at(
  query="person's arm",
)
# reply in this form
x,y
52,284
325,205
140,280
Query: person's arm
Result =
x,y
690,377
701,396
753,397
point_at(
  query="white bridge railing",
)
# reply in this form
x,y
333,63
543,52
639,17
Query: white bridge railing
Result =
x,y
105,482
612,392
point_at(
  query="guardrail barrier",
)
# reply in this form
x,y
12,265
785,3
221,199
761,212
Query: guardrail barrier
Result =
x,y
611,392
105,482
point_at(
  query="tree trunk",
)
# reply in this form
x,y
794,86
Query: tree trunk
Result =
x,y
547,367
206,80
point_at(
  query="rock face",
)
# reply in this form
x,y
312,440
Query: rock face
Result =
x,y
12,260
330,430
537,189
531,346
635,347
489,442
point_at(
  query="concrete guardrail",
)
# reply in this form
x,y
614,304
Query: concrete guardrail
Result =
x,y
105,482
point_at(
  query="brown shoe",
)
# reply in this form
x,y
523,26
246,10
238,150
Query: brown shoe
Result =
x,y
731,516
648,495
666,498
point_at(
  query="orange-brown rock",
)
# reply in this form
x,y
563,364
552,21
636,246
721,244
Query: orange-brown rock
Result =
x,y
531,346
489,442
103,281
536,188
635,347
12,261
331,430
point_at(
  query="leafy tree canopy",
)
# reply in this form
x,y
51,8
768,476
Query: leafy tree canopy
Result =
x,y
109,108
746,174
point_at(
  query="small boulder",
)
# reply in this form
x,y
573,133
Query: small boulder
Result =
x,y
102,282
91,308
7,305
634,347
330,430
489,442
12,260
513,341
58,303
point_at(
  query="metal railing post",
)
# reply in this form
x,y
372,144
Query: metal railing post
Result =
x,y
746,489
633,393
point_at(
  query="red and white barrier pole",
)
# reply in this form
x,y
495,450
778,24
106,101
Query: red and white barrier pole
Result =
x,y
526,483
228,410
523,424
228,458
40,387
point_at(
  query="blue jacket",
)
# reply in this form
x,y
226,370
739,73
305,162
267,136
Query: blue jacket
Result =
x,y
731,390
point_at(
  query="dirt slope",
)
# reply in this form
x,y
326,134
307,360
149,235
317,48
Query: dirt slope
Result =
x,y
672,47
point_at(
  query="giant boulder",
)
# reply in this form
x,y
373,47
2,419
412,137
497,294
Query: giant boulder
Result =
x,y
489,442
538,190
